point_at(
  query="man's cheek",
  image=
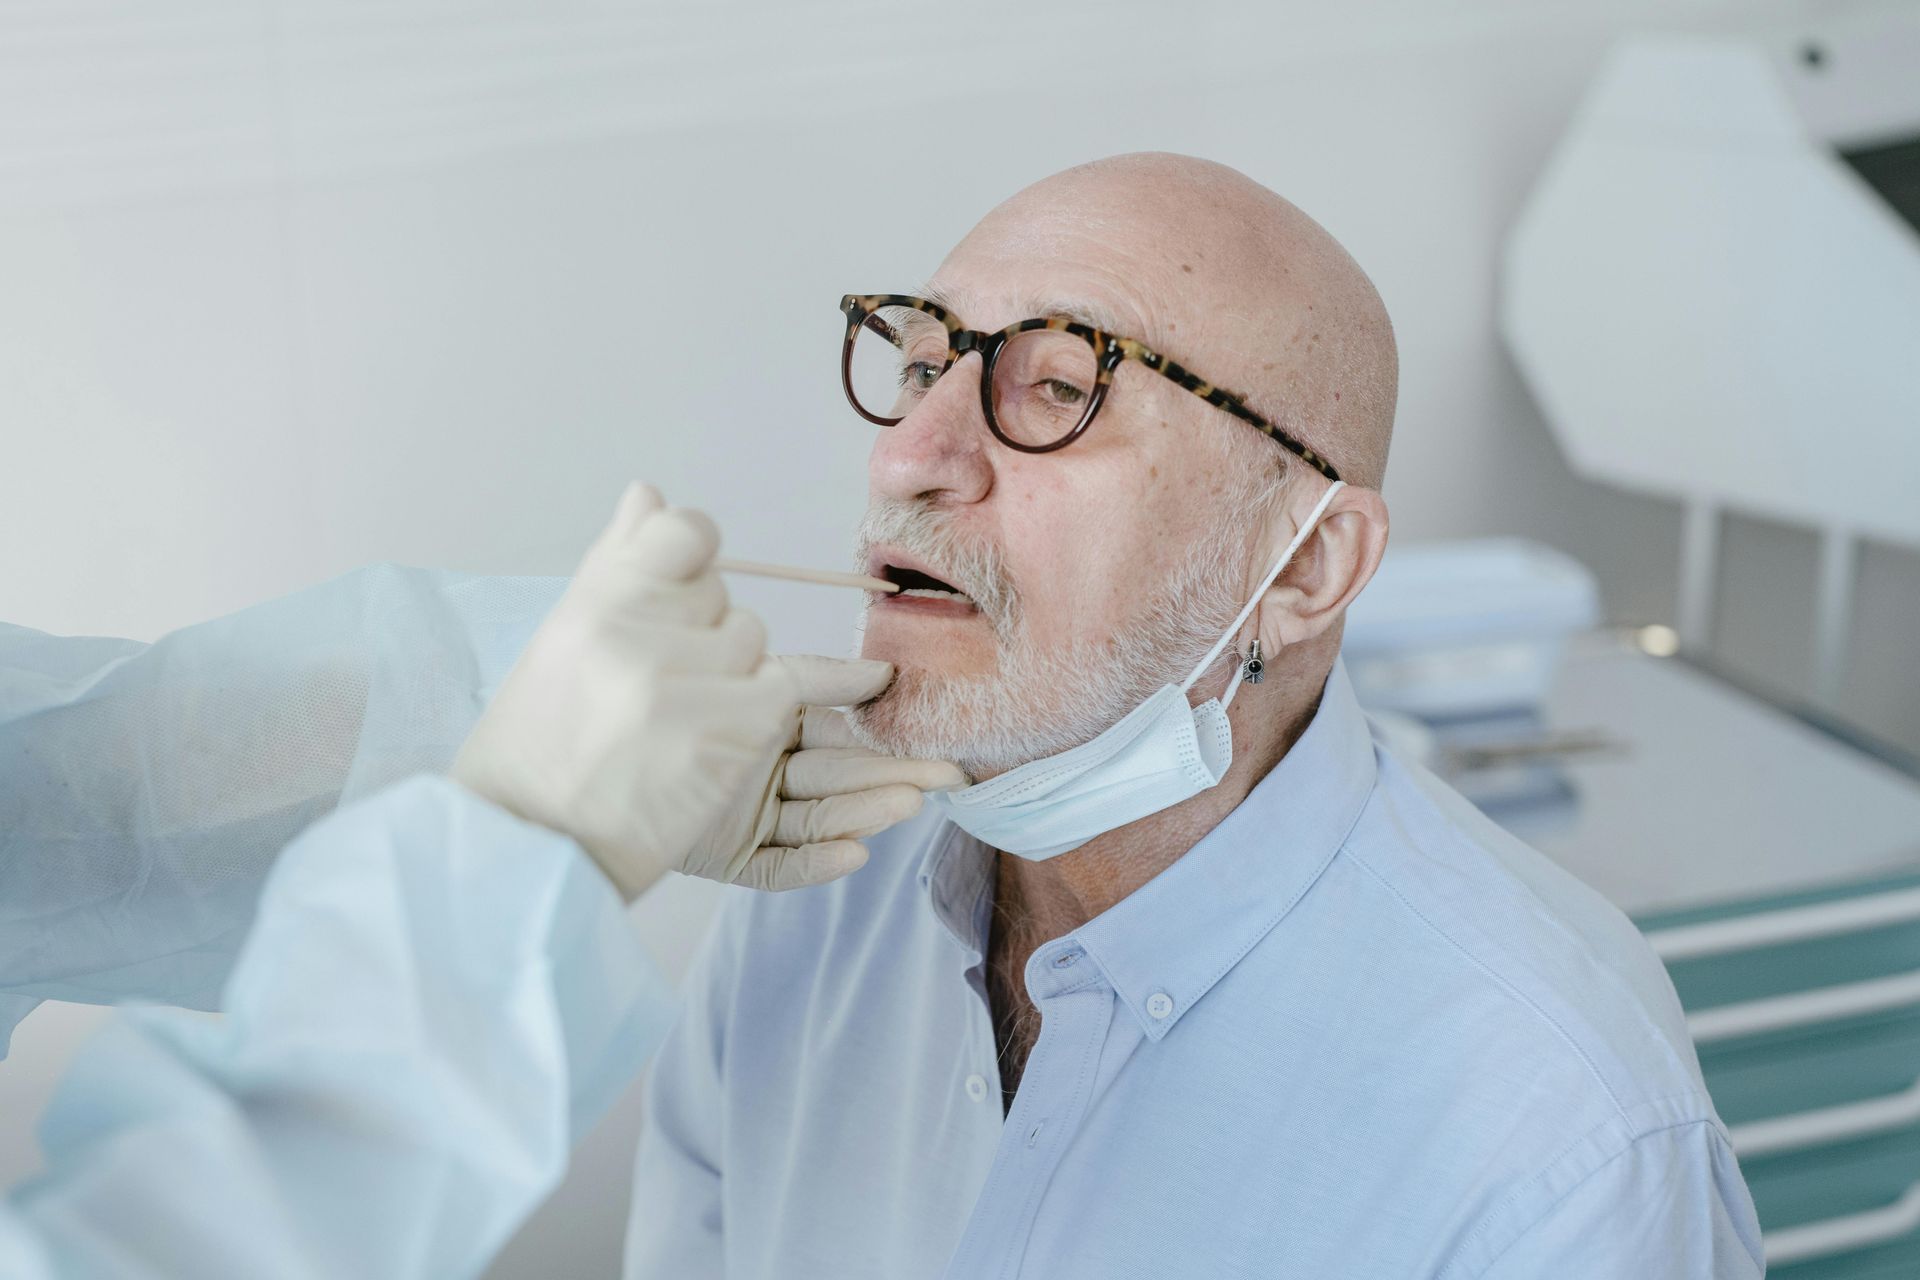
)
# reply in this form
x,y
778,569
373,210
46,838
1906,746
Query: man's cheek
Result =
x,y
1054,625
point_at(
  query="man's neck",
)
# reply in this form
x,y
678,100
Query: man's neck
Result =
x,y
1060,894
1035,902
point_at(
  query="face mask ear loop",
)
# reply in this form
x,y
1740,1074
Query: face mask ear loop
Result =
x,y
1246,611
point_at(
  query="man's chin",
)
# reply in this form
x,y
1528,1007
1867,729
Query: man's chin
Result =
x,y
872,725
888,723
923,716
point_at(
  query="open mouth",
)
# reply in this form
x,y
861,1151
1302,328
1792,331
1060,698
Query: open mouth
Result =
x,y
920,585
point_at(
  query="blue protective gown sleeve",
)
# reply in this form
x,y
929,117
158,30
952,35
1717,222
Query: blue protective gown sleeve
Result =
x,y
439,999
145,789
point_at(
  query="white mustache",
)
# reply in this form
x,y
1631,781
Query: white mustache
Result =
x,y
976,567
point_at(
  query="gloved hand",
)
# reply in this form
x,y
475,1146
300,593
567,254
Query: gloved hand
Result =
x,y
642,709
819,792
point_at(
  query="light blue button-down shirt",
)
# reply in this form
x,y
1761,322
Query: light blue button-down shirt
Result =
x,y
1357,1031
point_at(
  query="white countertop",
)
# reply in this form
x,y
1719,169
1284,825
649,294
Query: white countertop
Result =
x,y
1717,795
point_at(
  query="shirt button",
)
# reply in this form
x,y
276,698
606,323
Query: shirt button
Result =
x,y
1065,959
977,1087
1159,1004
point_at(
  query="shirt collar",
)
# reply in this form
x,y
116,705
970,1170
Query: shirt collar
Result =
x,y
956,871
1182,931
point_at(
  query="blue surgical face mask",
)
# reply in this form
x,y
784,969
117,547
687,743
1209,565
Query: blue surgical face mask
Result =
x,y
1160,753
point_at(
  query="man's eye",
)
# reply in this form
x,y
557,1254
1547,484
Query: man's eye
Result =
x,y
1064,392
919,375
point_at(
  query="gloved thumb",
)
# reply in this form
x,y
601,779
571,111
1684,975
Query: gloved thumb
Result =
x,y
836,682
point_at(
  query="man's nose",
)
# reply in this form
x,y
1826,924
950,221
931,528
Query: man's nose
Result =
x,y
939,450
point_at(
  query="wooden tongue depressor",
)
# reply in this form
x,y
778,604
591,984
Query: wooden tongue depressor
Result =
x,y
826,577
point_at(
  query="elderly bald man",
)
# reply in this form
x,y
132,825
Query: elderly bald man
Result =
x,y
1318,1018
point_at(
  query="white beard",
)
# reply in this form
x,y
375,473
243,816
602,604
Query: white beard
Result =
x,y
1039,703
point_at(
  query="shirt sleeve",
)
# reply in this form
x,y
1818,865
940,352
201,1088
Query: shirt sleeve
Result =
x,y
439,999
1670,1205
675,1231
146,789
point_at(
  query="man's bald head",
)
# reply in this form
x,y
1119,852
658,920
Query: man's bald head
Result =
x,y
1226,277
1088,577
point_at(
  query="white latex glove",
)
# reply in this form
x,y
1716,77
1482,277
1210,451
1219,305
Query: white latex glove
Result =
x,y
642,708
820,793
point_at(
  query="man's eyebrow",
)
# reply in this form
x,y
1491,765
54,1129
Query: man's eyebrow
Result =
x,y
935,294
1087,313
1083,311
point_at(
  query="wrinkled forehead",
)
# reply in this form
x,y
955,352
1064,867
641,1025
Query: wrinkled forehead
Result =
x,y
992,308
1140,269
1033,257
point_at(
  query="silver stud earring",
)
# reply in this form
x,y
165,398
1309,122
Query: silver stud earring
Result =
x,y
1253,670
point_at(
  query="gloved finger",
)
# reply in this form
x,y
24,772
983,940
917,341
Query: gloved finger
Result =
x,y
816,773
659,569
673,545
767,690
734,726
825,727
736,646
836,682
775,869
845,817
637,502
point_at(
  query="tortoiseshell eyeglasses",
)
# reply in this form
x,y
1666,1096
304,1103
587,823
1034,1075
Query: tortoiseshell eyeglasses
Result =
x,y
1041,383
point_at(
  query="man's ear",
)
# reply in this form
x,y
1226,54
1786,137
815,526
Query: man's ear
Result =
x,y
1327,572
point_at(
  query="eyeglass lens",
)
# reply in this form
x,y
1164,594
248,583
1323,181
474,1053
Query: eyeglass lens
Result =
x,y
1043,379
